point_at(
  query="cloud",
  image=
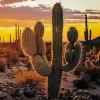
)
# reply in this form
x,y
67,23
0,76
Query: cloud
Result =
x,y
27,13
42,13
4,2
91,11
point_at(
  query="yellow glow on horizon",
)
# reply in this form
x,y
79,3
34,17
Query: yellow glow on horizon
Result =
x,y
6,31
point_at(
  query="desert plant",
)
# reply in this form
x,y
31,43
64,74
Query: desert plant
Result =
x,y
28,78
87,37
73,51
3,63
12,55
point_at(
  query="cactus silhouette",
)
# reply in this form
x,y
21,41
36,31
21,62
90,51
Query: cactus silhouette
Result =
x,y
87,37
34,49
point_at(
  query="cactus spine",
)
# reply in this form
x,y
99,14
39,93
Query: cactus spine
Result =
x,y
54,72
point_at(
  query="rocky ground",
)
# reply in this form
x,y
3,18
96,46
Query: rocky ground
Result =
x,y
10,90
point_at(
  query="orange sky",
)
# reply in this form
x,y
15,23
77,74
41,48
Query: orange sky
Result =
x,y
6,31
27,12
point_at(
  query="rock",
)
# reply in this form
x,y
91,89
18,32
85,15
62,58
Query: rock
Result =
x,y
80,83
28,93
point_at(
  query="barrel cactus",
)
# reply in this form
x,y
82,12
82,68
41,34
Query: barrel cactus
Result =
x,y
54,72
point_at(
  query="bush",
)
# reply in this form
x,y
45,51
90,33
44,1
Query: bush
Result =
x,y
29,77
93,73
12,56
80,83
2,64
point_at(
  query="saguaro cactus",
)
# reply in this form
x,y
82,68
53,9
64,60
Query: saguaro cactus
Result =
x,y
16,32
87,37
0,38
54,73
10,38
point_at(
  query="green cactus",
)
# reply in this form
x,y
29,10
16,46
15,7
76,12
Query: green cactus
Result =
x,y
10,38
0,38
86,33
72,35
54,73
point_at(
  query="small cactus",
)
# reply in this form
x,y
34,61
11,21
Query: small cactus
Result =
x,y
94,50
99,56
88,64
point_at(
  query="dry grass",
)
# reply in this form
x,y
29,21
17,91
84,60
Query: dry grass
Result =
x,y
12,55
29,77
3,62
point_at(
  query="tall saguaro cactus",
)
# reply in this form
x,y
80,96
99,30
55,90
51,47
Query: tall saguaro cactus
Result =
x,y
10,38
87,36
33,46
16,32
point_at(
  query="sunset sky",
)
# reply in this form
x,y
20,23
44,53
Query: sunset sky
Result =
x,y
27,12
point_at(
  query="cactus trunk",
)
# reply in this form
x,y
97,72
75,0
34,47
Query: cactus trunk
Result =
x,y
54,80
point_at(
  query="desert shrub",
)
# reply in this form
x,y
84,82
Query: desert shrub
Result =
x,y
81,83
93,73
12,55
2,64
29,77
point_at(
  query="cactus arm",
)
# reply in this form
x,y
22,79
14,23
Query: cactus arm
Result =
x,y
71,65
